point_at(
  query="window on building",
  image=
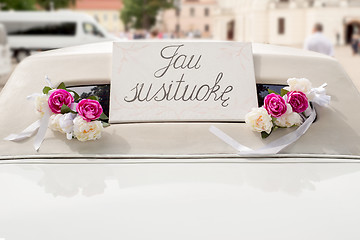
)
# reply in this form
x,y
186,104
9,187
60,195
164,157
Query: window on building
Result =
x,y
105,17
177,12
281,26
207,28
116,17
206,12
192,12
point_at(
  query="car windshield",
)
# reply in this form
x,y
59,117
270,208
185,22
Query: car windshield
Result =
x,y
101,91
91,29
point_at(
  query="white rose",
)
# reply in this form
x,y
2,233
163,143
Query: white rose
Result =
x,y
66,122
299,84
54,122
259,120
41,103
289,119
85,131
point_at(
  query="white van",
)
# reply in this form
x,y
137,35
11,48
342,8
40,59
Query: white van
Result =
x,y
5,56
38,31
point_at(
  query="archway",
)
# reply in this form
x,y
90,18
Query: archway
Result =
x,y
351,28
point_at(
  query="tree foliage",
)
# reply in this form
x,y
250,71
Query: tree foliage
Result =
x,y
141,14
30,4
17,4
46,4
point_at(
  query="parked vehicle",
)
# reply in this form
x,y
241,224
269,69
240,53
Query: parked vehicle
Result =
x,y
177,180
38,31
5,56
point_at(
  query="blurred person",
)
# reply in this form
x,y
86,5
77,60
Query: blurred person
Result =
x,y
355,43
154,34
190,35
317,42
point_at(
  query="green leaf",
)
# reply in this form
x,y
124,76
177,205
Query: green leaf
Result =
x,y
283,92
46,90
65,109
103,117
61,86
272,91
265,134
105,124
94,98
76,95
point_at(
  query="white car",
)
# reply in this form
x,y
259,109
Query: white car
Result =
x,y
5,56
178,180
33,31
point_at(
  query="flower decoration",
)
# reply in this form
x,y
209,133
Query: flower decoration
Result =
x,y
286,109
58,98
298,101
89,109
275,105
259,120
82,119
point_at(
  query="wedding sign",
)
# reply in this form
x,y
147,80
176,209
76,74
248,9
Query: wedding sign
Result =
x,y
181,81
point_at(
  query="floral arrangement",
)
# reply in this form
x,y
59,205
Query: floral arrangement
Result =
x,y
283,110
82,119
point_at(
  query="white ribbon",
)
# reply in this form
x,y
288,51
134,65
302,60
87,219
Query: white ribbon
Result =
x,y
47,79
318,95
26,133
274,146
40,125
44,122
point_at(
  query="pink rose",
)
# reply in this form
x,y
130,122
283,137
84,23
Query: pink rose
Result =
x,y
58,98
298,101
275,105
89,109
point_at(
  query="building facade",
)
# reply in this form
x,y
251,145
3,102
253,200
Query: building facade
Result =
x,y
286,22
191,18
106,12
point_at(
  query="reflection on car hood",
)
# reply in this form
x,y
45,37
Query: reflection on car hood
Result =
x,y
244,200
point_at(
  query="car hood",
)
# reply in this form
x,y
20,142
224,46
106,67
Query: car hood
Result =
x,y
171,199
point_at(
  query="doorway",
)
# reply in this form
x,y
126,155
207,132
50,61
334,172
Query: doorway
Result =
x,y
351,28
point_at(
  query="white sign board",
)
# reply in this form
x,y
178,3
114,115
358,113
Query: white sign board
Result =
x,y
181,81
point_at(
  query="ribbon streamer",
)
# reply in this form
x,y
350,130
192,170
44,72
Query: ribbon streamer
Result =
x,y
40,125
26,133
44,121
274,146
319,95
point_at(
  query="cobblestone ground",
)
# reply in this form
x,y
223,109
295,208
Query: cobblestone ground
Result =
x,y
350,63
343,54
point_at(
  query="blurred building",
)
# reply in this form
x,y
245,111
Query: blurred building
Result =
x,y
191,18
106,12
286,22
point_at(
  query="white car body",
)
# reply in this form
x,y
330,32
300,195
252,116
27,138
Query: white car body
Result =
x,y
21,26
177,180
5,56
